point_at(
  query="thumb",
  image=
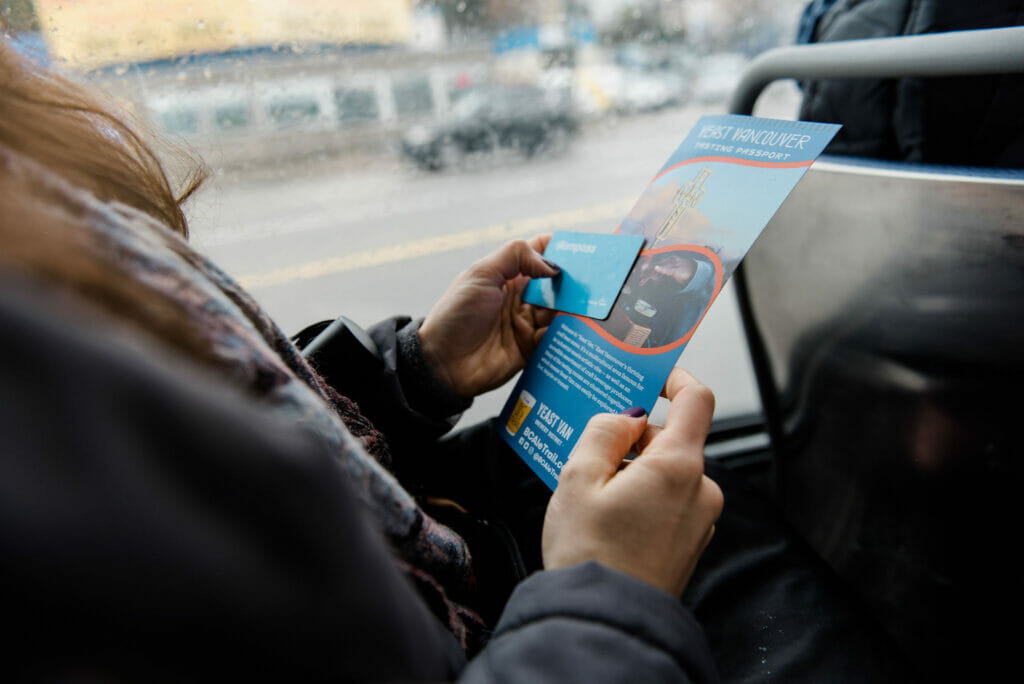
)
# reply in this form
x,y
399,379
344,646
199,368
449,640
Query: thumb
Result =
x,y
516,258
604,444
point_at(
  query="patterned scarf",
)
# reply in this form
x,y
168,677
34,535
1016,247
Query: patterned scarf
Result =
x,y
244,346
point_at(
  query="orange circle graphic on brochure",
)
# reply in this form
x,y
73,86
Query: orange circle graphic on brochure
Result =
x,y
702,253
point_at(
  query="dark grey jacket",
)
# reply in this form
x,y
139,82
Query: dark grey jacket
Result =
x,y
977,121
157,526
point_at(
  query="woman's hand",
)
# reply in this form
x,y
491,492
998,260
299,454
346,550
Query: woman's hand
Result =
x,y
480,333
652,518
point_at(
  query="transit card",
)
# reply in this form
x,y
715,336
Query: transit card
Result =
x,y
594,267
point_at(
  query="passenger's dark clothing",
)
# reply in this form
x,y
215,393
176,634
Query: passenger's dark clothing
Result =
x,y
167,515
156,526
771,609
971,120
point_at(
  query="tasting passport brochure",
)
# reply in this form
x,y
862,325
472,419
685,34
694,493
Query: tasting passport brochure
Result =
x,y
698,216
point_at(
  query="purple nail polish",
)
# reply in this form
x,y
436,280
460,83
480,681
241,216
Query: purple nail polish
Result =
x,y
552,264
634,412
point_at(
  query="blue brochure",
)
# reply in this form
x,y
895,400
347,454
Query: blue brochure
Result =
x,y
594,267
699,215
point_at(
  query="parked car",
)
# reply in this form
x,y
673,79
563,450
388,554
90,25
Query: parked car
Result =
x,y
487,118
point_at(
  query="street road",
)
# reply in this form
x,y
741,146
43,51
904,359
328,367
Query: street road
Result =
x,y
373,238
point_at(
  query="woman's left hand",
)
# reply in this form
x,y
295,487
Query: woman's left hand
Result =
x,y
480,333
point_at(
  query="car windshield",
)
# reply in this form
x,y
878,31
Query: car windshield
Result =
x,y
326,195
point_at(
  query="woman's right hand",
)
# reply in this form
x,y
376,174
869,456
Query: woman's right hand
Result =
x,y
652,518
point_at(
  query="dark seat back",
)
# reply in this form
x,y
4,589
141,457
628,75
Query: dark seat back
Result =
x,y
886,307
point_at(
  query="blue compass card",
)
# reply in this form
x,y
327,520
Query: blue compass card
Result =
x,y
594,267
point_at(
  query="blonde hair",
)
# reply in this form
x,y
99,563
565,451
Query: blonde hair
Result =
x,y
59,142
77,135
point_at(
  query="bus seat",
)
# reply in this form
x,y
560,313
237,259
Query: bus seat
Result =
x,y
884,307
883,310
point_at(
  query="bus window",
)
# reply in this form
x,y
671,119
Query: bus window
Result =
x,y
324,95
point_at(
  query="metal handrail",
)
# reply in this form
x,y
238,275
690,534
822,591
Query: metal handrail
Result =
x,y
956,53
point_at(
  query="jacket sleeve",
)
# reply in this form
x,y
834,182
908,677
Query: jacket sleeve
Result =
x,y
384,372
588,623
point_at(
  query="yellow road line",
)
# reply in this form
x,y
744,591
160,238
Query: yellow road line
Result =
x,y
414,249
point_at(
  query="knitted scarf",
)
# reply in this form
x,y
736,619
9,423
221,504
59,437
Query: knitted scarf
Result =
x,y
231,335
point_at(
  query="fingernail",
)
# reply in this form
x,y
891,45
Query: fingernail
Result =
x,y
552,264
634,412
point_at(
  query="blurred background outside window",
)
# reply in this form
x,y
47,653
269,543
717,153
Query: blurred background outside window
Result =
x,y
346,176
